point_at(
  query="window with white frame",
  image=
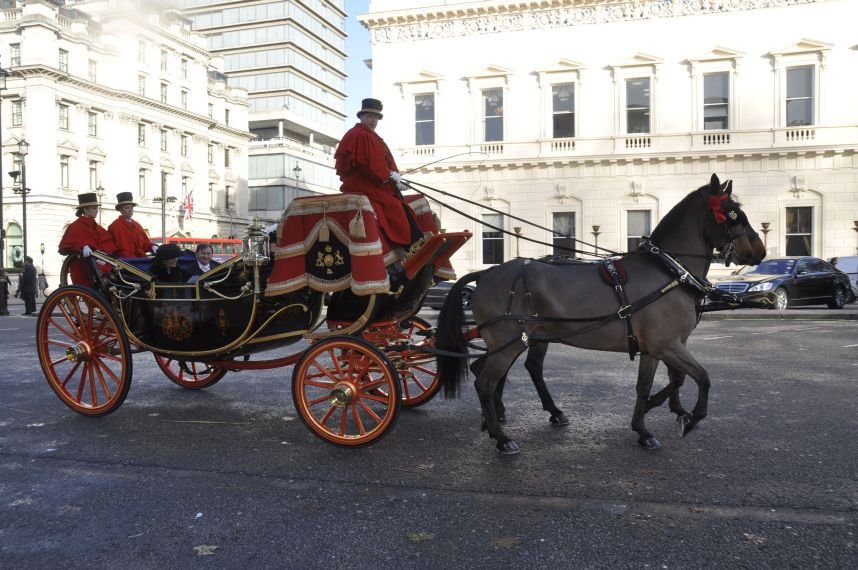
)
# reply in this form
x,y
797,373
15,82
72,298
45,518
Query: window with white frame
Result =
x,y
638,105
424,119
17,113
492,239
227,154
638,225
563,238
14,55
141,134
141,85
63,116
226,116
163,93
184,141
184,99
63,61
64,171
563,110
184,68
163,140
493,114
93,175
229,204
211,110
212,197
799,96
92,70
141,182
716,101
799,230
210,154
92,124
163,60
141,51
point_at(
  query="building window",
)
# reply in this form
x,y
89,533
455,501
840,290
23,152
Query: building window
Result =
x,y
563,103
185,180
211,111
493,115
637,105
141,134
141,51
799,96
163,60
184,145
15,55
63,62
163,140
210,154
92,71
92,124
63,116
716,100
141,85
799,230
17,113
226,116
638,224
64,171
93,175
141,182
267,198
228,203
424,119
163,93
226,157
212,197
184,99
492,239
184,68
564,233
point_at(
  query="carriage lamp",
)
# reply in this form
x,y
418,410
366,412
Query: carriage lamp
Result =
x,y
256,248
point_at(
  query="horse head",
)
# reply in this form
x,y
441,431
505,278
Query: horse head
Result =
x,y
731,232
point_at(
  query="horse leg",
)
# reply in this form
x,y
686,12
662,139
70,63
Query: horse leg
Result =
x,y
682,363
646,373
476,368
491,375
670,393
534,365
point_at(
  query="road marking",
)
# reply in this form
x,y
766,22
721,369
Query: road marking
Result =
x,y
850,346
717,337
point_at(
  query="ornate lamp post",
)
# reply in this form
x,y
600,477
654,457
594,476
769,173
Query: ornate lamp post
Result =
x,y
766,231
22,151
4,308
596,233
517,230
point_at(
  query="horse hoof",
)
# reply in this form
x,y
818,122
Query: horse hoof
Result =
x,y
501,419
559,420
650,443
508,447
684,425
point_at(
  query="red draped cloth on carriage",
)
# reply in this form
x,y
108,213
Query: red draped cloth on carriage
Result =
x,y
81,232
332,243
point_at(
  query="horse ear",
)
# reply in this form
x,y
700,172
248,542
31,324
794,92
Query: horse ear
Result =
x,y
728,186
714,184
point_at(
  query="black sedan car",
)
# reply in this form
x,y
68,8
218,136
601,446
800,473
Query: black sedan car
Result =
x,y
438,293
794,281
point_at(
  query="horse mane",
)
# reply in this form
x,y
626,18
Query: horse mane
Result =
x,y
679,212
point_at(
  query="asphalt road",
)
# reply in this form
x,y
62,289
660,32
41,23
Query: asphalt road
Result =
x,y
230,476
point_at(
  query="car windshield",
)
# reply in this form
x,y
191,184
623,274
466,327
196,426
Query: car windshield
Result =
x,y
774,267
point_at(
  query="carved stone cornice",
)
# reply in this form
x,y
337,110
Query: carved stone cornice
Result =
x,y
416,25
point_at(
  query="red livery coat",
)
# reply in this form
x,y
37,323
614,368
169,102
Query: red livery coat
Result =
x,y
130,238
81,232
364,163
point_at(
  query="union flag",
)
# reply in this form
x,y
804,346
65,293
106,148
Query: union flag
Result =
x,y
189,205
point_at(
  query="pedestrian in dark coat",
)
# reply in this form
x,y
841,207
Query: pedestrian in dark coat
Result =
x,y
29,287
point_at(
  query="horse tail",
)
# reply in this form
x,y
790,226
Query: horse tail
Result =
x,y
449,337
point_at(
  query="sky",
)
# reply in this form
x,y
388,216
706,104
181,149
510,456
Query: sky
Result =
x,y
358,80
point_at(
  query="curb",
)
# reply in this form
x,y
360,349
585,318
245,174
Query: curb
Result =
x,y
788,315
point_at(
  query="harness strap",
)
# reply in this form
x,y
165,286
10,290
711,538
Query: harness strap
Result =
x,y
676,268
625,312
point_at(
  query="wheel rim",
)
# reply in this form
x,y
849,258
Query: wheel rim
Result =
x,y
83,351
346,391
466,299
418,370
190,375
839,297
782,300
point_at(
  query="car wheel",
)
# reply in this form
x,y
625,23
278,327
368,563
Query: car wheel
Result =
x,y
838,299
466,299
782,299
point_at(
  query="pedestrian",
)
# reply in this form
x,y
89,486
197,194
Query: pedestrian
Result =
x,y
366,166
128,235
43,284
29,286
82,237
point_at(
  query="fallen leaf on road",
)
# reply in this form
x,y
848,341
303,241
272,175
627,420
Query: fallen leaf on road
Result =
x,y
418,537
507,541
205,549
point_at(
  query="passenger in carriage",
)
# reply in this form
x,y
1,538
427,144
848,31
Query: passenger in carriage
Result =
x,y
82,237
203,263
130,237
365,166
165,267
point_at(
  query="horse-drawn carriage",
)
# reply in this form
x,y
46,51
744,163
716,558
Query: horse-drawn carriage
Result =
x,y
361,357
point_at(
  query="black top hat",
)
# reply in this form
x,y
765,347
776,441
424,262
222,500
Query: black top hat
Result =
x,y
87,199
371,106
168,251
125,198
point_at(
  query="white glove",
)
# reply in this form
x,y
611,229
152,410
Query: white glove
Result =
x,y
87,251
154,248
396,177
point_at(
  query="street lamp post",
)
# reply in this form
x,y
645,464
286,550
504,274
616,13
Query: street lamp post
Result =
x,y
22,151
596,233
100,193
163,199
517,230
4,307
766,231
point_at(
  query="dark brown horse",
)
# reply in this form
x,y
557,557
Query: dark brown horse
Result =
x,y
525,302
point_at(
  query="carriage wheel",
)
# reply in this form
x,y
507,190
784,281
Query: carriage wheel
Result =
x,y
84,351
346,391
64,270
418,370
190,375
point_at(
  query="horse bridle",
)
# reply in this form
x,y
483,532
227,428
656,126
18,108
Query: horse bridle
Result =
x,y
737,226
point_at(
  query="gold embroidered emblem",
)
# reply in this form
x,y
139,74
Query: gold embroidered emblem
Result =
x,y
222,322
177,326
329,258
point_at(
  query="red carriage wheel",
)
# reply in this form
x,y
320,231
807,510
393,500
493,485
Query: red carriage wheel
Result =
x,y
346,391
417,369
84,351
190,375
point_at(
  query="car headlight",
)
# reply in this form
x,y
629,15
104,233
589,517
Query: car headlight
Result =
x,y
761,286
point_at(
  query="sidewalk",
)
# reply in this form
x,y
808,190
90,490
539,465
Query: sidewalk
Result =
x,y
16,305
